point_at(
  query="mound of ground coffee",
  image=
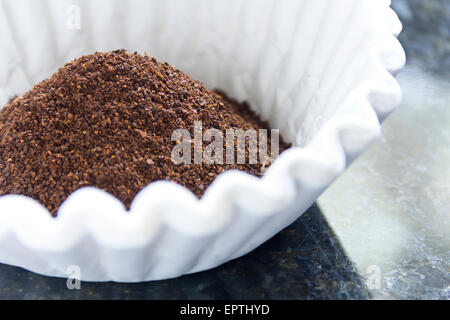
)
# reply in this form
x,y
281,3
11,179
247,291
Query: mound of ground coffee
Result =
x,y
106,120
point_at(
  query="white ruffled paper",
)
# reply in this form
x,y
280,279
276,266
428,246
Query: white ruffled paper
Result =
x,y
319,70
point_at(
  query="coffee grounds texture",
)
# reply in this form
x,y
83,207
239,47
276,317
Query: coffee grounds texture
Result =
x,y
106,120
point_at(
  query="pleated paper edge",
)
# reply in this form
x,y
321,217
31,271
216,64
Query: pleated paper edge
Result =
x,y
94,213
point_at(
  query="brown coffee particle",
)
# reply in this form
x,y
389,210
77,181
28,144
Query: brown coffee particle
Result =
x,y
106,120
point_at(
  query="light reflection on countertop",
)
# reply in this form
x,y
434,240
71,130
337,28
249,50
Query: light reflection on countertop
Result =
x,y
391,209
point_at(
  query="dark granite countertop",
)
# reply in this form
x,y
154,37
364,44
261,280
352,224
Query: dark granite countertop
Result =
x,y
426,33
305,261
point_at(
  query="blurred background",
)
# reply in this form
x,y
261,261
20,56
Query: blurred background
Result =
x,y
382,231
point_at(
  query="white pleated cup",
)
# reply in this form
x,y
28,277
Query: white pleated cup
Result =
x,y
318,70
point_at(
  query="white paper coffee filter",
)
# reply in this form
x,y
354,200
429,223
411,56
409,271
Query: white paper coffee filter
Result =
x,y
319,70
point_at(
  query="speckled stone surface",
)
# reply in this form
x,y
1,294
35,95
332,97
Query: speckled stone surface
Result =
x,y
426,34
391,208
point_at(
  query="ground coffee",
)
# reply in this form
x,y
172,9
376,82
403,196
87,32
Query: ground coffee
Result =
x,y
106,120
